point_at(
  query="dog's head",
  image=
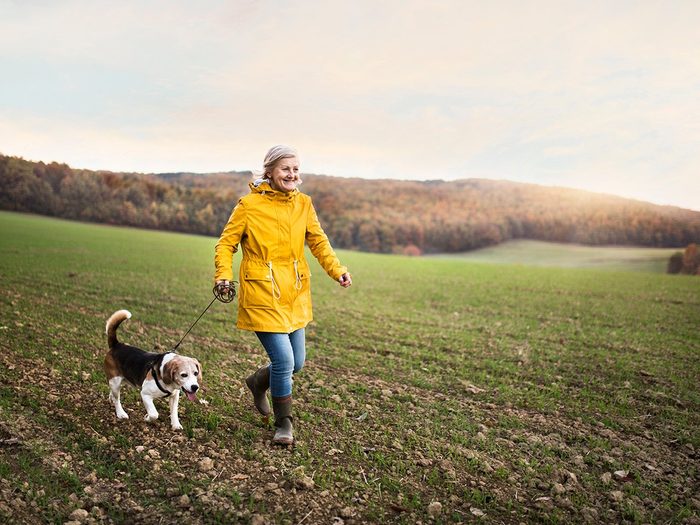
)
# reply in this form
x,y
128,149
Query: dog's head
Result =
x,y
186,372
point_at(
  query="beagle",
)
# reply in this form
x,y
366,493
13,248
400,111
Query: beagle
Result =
x,y
158,375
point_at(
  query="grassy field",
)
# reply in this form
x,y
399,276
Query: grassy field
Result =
x,y
435,391
549,254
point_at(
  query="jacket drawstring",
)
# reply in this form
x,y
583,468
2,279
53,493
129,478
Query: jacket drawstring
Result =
x,y
297,283
277,295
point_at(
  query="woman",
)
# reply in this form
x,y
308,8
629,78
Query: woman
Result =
x,y
271,224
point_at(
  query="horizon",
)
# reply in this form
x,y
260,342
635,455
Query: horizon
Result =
x,y
552,186
599,98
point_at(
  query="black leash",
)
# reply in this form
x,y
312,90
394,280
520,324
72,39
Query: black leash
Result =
x,y
224,297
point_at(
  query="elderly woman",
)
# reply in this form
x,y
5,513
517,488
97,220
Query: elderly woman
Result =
x,y
271,224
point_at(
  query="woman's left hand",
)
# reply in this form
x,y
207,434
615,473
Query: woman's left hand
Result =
x,y
345,280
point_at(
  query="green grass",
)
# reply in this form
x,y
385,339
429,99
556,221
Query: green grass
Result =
x,y
432,379
550,254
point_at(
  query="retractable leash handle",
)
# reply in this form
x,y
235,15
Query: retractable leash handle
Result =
x,y
219,295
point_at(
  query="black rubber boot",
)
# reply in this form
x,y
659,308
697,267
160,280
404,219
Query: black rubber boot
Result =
x,y
258,383
282,407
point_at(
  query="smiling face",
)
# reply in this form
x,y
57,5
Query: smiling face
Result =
x,y
284,176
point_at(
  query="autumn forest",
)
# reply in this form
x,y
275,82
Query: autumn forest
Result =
x,y
385,216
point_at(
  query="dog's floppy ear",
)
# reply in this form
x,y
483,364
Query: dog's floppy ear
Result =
x,y
199,368
169,371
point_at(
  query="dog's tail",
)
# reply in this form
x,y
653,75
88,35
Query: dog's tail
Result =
x,y
113,323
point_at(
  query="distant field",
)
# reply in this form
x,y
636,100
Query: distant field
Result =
x,y
538,253
436,390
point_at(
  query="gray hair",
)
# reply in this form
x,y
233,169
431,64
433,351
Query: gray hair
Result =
x,y
274,155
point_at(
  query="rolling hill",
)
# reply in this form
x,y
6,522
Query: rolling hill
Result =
x,y
385,216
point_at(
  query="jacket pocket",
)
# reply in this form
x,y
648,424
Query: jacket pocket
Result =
x,y
303,272
256,291
303,282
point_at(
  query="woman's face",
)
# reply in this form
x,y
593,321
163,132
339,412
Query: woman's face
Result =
x,y
285,175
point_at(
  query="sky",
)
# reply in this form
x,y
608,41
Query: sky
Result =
x,y
602,96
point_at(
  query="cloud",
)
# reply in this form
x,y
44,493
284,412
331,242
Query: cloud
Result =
x,y
569,93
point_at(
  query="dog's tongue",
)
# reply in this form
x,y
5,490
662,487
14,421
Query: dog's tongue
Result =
x,y
191,396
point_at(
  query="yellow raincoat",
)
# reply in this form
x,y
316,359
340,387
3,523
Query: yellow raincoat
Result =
x,y
271,227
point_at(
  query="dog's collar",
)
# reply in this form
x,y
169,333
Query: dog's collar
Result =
x,y
154,373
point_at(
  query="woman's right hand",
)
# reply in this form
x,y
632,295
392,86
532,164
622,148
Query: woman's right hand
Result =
x,y
223,286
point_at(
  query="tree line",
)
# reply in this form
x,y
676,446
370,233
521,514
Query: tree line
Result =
x,y
128,199
383,216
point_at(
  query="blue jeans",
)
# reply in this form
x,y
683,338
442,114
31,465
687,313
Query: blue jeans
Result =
x,y
287,353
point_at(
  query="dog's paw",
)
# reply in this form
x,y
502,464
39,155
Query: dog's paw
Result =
x,y
203,402
122,415
177,426
150,419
